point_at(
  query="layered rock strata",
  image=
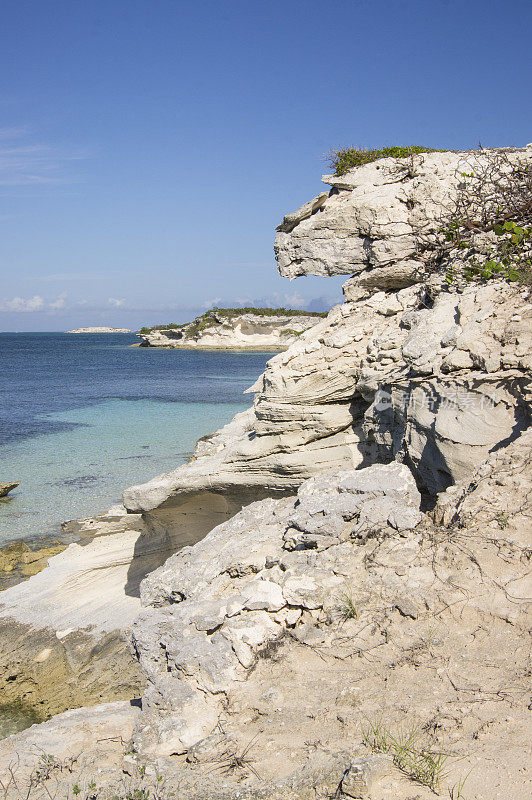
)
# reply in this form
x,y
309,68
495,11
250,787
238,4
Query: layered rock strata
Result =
x,y
428,378
63,640
273,645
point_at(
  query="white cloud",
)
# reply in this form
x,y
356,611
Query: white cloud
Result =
x,y
116,303
55,305
211,303
35,303
294,300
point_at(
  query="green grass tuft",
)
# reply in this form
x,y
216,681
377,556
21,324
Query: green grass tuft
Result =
x,y
418,761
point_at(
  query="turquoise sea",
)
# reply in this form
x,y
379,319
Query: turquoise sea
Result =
x,y
82,416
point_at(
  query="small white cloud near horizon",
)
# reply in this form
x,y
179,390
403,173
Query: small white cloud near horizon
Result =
x,y
294,300
55,305
211,303
35,303
117,303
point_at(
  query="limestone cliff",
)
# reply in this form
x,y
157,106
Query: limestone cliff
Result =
x,y
375,565
233,329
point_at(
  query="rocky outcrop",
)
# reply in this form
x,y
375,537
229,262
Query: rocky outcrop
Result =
x,y
215,606
221,330
409,368
384,216
63,632
273,645
435,380
5,488
351,548
47,760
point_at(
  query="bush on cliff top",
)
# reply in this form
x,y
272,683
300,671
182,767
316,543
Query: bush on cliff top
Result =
x,y
494,201
209,317
346,158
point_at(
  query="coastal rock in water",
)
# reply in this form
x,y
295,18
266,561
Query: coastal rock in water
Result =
x,y
5,488
19,561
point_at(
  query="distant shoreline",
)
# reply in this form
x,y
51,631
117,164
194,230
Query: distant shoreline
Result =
x,y
100,329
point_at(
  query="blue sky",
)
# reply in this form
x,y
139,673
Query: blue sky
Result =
x,y
148,148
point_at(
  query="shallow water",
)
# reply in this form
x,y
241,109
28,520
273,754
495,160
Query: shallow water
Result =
x,y
14,719
84,416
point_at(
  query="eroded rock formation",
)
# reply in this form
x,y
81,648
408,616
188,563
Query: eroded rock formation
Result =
x,y
224,329
352,547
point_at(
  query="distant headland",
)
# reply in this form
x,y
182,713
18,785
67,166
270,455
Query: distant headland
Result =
x,y
234,329
100,330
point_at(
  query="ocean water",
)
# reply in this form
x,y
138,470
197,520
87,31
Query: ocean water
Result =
x,y
83,416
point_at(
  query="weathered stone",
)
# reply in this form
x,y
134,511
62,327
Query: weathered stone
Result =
x,y
361,777
5,488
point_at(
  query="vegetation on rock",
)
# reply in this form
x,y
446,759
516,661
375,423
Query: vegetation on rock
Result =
x,y
346,158
491,221
212,316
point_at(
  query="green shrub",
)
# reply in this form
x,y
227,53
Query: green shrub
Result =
x,y
495,198
346,158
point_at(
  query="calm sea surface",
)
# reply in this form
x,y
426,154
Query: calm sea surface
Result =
x,y
82,416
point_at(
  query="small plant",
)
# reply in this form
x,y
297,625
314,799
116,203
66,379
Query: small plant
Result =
x,y
232,759
502,519
346,608
346,158
456,792
419,762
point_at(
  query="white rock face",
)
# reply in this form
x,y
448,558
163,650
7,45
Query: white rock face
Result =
x,y
213,607
408,369
375,216
438,383
239,332
86,740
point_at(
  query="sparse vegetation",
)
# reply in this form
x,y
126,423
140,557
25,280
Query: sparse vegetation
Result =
x,y
346,608
212,317
346,158
234,759
410,753
491,221
50,779
502,519
456,792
